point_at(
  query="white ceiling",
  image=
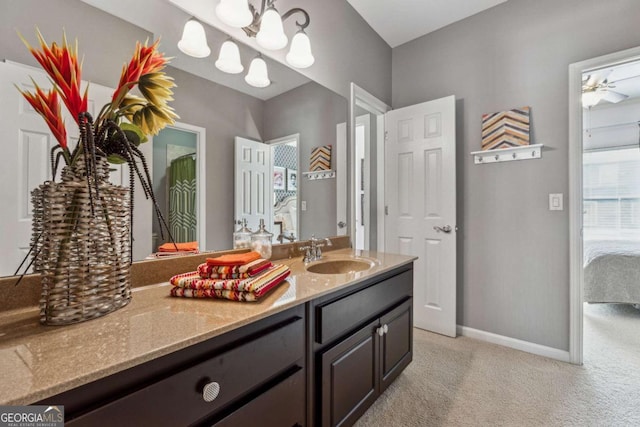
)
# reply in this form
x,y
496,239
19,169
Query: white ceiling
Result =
x,y
399,21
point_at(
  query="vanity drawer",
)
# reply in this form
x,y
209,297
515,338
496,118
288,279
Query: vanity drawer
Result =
x,y
178,399
280,406
336,317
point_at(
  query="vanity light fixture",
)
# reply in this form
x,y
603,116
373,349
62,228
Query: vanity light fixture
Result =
x,y
257,75
194,40
266,26
229,58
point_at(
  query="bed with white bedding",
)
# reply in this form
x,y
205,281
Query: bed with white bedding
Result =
x,y
612,271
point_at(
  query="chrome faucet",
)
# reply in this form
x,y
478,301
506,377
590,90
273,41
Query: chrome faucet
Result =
x,y
281,238
313,251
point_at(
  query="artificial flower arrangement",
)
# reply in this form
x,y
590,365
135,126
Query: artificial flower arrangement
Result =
x,y
82,229
122,124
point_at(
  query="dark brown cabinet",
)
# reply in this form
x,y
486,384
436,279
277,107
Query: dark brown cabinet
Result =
x,y
254,375
321,363
358,369
363,341
396,343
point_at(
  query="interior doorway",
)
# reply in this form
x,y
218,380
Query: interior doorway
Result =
x,y
179,184
286,166
367,169
604,204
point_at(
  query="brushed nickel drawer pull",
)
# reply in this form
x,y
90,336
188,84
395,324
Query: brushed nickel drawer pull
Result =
x,y
210,391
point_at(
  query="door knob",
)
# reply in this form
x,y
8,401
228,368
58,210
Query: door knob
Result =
x,y
342,224
380,331
445,229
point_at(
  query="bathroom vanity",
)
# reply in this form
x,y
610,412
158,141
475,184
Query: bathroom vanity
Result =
x,y
318,350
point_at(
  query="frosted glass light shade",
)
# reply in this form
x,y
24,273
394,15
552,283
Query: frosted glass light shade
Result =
x,y
300,55
258,75
229,58
271,35
234,13
194,40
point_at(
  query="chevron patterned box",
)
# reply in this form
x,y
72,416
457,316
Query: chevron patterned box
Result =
x,y
505,129
321,158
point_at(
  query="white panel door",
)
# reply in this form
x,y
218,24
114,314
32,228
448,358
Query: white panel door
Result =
x,y
253,183
421,199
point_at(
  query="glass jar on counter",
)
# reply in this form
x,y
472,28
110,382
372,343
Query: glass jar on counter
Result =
x,y
242,237
261,241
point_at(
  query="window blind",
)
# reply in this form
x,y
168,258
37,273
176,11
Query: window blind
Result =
x,y
611,194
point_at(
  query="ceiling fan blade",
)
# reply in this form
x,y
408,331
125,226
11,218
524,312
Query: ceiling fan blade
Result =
x,y
598,77
613,97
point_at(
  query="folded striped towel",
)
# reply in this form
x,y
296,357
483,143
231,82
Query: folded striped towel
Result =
x,y
207,271
234,259
191,285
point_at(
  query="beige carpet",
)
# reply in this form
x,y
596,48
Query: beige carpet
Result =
x,y
465,382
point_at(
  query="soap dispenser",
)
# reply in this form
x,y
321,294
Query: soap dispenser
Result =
x,y
261,241
242,237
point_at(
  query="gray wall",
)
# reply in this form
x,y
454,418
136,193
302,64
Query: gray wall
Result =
x,y
105,41
313,111
513,263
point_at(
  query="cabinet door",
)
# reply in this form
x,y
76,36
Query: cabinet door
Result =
x,y
349,377
396,345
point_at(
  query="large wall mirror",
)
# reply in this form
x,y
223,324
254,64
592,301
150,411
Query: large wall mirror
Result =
x,y
294,114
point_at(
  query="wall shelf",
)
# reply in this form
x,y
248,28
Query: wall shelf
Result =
x,y
319,174
526,152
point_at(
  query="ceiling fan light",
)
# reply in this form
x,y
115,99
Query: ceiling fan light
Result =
x,y
300,55
271,35
229,58
194,40
591,98
258,75
234,13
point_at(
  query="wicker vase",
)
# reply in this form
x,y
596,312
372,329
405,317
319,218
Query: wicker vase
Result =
x,y
82,245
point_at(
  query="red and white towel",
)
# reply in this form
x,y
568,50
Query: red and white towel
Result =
x,y
191,285
252,269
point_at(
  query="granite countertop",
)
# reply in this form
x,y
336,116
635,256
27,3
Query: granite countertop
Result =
x,y
39,361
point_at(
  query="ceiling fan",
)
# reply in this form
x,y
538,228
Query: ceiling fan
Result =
x,y
596,87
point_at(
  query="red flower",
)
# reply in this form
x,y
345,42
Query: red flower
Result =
x,y
61,63
146,59
48,106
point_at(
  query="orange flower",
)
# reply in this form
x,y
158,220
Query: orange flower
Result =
x,y
48,106
61,63
146,59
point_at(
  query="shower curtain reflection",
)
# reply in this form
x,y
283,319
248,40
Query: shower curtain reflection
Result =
x,y
182,198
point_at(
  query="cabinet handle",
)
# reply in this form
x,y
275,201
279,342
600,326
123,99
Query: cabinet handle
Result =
x,y
380,331
385,328
210,391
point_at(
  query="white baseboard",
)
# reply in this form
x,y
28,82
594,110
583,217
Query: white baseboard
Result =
x,y
529,347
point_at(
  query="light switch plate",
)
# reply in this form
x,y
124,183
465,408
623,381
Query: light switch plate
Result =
x,y
303,205
555,202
